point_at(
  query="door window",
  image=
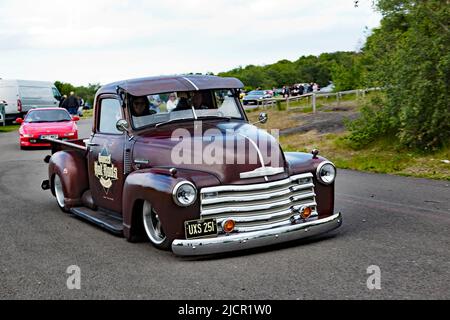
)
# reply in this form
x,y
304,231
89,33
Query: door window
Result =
x,y
110,113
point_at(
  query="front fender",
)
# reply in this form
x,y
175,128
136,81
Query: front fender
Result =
x,y
72,169
300,162
153,186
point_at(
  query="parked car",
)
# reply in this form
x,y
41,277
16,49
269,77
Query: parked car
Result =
x,y
24,95
255,96
87,106
329,88
40,124
135,178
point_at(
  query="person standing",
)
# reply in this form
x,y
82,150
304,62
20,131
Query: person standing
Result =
x,y
71,103
61,102
301,90
315,87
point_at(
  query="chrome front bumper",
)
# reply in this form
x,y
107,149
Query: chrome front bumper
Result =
x,y
255,239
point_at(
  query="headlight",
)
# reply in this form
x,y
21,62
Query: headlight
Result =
x,y
326,172
184,194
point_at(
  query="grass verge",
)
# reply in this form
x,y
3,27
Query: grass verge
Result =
x,y
87,114
9,128
381,156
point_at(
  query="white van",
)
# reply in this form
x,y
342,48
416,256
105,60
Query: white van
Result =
x,y
23,95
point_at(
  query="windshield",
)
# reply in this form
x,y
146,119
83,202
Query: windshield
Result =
x,y
48,116
164,108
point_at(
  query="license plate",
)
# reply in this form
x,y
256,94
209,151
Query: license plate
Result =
x,y
200,228
49,136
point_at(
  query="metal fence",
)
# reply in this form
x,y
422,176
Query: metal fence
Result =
x,y
312,98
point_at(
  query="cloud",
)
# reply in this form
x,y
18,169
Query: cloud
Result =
x,y
96,39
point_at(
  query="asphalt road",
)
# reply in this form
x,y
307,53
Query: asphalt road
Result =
x,y
400,224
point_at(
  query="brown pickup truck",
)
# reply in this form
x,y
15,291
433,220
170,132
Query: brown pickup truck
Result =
x,y
175,160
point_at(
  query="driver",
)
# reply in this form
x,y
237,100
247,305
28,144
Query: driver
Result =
x,y
140,107
197,101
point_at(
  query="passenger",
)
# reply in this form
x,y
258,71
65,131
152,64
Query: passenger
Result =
x,y
172,102
182,104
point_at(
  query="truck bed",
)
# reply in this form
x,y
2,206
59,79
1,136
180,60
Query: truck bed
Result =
x,y
59,145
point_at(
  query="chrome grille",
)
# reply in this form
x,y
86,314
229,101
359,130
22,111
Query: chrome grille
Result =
x,y
259,206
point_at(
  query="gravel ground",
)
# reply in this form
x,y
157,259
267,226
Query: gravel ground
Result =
x,y
328,120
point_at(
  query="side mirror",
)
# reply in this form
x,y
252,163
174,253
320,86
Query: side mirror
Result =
x,y
75,118
122,125
19,120
263,117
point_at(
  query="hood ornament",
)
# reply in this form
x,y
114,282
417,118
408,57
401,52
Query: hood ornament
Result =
x,y
261,172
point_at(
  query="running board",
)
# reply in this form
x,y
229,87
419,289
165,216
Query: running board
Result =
x,y
101,218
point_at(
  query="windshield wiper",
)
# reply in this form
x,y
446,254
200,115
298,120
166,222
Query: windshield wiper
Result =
x,y
215,117
61,120
199,117
172,121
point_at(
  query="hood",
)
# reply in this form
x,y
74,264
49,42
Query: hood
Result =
x,y
48,127
224,149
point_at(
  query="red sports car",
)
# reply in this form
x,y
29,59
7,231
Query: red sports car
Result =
x,y
44,123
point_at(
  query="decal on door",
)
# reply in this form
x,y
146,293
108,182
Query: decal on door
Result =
x,y
105,170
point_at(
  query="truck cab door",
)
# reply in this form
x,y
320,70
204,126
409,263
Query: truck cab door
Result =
x,y
106,156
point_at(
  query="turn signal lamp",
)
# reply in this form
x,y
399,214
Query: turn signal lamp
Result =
x,y
228,226
306,213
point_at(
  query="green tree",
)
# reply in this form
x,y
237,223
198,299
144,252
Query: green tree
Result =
x,y
87,93
284,72
409,56
348,74
64,88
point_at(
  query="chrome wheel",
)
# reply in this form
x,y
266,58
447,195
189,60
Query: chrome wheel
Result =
x,y
152,224
59,192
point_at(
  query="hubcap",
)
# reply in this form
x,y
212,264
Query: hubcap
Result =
x,y
152,224
59,191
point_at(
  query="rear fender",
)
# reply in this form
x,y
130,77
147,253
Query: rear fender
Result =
x,y
72,169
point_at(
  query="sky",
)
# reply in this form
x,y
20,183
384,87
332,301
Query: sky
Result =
x,y
102,41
